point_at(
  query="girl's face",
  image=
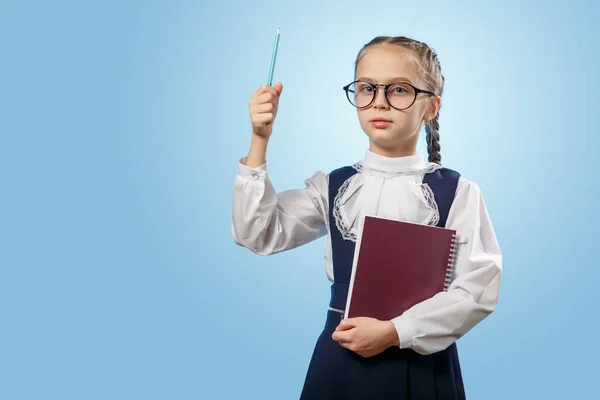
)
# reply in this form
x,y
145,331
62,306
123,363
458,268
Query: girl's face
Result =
x,y
385,64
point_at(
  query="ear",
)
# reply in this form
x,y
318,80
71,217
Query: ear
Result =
x,y
433,108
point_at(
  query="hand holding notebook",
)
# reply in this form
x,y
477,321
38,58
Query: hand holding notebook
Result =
x,y
396,265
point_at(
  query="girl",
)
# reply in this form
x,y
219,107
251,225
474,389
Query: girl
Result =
x,y
397,88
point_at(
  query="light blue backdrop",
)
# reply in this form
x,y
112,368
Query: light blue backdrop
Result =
x,y
121,126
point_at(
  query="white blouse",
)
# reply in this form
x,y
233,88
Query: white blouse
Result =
x,y
267,222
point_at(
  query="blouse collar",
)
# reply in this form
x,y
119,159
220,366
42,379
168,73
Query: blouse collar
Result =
x,y
394,164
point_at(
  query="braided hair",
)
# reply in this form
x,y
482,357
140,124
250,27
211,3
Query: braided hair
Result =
x,y
425,58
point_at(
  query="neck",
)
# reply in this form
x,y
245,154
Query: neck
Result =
x,y
395,150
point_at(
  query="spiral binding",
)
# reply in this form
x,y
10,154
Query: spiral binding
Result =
x,y
451,263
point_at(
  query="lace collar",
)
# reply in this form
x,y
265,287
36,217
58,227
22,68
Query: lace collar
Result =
x,y
387,186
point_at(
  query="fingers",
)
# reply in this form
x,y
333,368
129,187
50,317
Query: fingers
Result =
x,y
344,341
261,120
340,338
263,108
265,102
350,344
345,324
262,114
274,90
343,336
265,97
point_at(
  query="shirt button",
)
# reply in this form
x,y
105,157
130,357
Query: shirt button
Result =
x,y
255,175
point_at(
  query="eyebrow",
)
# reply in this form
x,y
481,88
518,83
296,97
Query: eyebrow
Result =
x,y
395,79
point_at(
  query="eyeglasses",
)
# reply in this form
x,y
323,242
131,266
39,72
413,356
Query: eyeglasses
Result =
x,y
399,95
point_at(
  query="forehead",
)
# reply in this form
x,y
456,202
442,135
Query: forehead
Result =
x,y
384,63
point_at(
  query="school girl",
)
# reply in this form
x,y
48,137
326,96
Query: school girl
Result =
x,y
397,88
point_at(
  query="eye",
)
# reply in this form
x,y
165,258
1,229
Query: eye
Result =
x,y
365,88
401,90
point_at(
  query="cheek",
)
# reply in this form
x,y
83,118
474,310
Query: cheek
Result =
x,y
363,117
422,109
414,116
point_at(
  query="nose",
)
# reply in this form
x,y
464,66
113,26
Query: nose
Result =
x,y
380,102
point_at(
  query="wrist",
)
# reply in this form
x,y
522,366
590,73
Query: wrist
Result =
x,y
260,138
392,334
258,151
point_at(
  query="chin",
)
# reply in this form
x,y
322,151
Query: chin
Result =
x,y
383,137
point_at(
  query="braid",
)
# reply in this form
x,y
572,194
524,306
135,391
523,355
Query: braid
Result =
x,y
433,140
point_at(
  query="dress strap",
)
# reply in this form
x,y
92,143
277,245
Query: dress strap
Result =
x,y
443,183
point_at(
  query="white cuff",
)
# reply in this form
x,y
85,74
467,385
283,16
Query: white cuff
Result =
x,y
253,174
405,329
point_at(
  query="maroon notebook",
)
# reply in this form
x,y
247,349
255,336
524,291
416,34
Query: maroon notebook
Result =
x,y
397,265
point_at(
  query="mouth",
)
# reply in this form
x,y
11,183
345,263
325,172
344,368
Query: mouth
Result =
x,y
380,120
380,123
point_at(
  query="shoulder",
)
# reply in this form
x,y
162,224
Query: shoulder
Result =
x,y
444,173
338,176
463,184
468,195
444,183
318,180
465,187
448,172
344,171
469,214
323,181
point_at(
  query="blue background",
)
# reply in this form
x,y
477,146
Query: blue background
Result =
x,y
121,126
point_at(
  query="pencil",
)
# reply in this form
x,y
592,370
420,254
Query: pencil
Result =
x,y
273,57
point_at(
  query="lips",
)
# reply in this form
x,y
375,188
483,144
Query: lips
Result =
x,y
380,123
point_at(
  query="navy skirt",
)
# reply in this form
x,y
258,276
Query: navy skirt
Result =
x,y
335,372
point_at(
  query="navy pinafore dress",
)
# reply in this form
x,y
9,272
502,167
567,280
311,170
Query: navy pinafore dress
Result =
x,y
335,372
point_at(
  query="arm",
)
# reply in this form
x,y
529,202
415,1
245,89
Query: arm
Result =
x,y
436,323
267,222
263,220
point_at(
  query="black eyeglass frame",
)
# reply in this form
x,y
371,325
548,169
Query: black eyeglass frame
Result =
x,y
385,90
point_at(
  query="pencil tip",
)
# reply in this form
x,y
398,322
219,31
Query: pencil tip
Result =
x,y
278,31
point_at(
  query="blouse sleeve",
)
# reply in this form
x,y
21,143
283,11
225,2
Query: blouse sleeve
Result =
x,y
436,323
267,222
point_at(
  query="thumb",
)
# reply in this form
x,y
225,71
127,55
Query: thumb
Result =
x,y
279,87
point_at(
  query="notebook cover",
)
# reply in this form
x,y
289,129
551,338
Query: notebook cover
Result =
x,y
396,265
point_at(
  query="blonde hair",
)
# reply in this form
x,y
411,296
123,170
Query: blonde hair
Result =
x,y
426,60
